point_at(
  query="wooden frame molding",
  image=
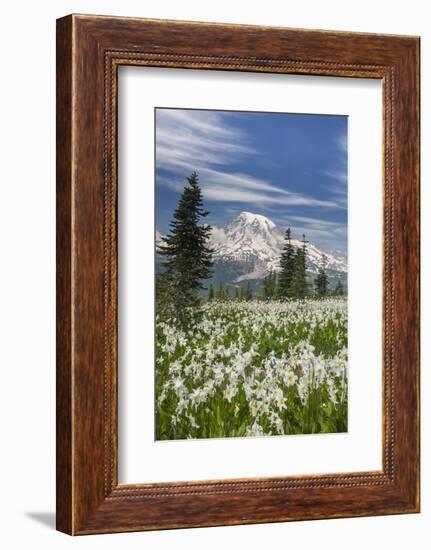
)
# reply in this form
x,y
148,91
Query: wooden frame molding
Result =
x,y
89,51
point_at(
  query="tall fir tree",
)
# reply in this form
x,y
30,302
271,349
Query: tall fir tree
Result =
x,y
287,267
186,252
339,289
299,289
272,285
268,289
321,281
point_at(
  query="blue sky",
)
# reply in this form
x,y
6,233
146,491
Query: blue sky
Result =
x,y
291,168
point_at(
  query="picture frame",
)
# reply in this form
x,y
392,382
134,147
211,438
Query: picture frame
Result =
x,y
89,51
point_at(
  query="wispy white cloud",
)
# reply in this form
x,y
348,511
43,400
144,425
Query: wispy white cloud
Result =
x,y
202,141
201,122
339,175
221,186
316,222
187,138
341,141
327,231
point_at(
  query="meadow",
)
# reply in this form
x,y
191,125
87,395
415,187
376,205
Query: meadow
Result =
x,y
253,368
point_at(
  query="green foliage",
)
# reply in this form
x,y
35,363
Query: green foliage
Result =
x,y
187,258
211,293
221,294
287,268
242,294
269,287
248,292
321,281
299,287
338,290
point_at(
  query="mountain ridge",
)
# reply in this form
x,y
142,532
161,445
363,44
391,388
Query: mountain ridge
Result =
x,y
251,245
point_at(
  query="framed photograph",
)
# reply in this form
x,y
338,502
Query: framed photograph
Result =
x,y
237,274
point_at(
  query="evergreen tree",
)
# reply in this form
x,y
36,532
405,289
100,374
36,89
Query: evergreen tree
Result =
x,y
164,289
264,289
339,290
221,294
287,267
248,292
211,293
268,289
187,255
274,286
299,288
321,281
236,293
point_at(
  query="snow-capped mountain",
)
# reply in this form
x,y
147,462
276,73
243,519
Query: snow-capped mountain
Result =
x,y
249,247
255,240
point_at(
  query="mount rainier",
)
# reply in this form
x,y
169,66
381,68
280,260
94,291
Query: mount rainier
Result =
x,y
249,247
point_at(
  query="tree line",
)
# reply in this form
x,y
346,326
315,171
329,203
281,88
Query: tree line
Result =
x,y
291,282
224,292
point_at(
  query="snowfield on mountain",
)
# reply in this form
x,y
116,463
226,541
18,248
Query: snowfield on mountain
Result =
x,y
255,241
